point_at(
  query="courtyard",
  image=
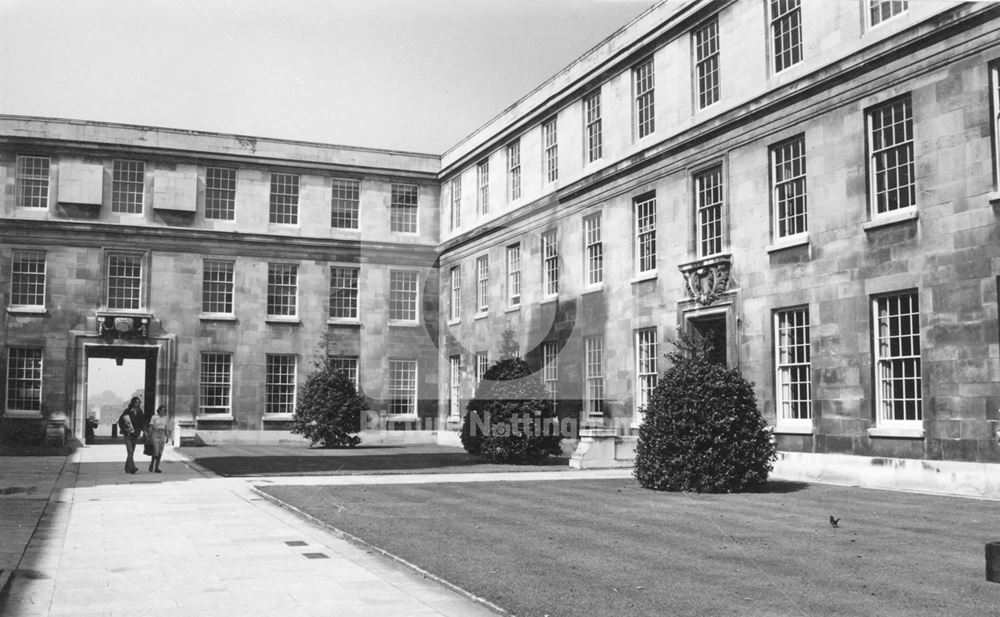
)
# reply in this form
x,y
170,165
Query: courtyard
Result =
x,y
450,536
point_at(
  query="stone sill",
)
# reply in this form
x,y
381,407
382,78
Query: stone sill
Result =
x,y
785,429
896,432
215,417
788,242
401,417
479,316
27,310
216,317
994,199
349,323
22,414
403,324
290,321
549,299
278,417
892,218
592,290
644,277
454,322
513,309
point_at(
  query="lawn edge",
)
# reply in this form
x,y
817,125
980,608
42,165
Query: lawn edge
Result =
x,y
369,546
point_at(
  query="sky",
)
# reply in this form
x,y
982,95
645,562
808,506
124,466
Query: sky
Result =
x,y
412,75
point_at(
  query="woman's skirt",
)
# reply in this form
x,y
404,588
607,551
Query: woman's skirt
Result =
x,y
158,437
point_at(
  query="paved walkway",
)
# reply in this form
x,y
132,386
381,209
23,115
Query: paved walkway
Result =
x,y
183,542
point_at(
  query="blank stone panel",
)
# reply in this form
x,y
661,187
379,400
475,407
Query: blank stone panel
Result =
x,y
81,183
175,190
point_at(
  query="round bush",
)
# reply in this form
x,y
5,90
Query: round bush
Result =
x,y
702,431
503,420
329,408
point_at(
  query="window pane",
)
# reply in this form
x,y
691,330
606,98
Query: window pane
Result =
x,y
32,181
220,193
127,186
345,204
27,281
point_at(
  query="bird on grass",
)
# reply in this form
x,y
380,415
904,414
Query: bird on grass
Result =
x,y
834,522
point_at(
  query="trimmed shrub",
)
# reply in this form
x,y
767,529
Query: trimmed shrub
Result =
x,y
503,420
329,408
22,431
702,430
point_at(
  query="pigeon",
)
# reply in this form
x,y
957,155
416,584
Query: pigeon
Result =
x,y
834,522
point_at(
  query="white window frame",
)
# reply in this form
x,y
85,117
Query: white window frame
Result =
x,y
793,369
220,193
218,279
877,169
593,132
454,386
404,209
128,179
283,199
347,365
514,276
405,298
550,264
282,270
514,170
550,371
644,90
401,402
140,295
550,145
344,298
215,385
786,33
483,187
873,6
32,376
593,391
29,275
995,101
29,177
345,203
455,294
710,212
707,73
893,368
789,189
483,284
280,389
646,369
593,251
455,221
482,365
644,230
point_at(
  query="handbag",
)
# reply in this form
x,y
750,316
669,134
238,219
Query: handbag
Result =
x,y
147,446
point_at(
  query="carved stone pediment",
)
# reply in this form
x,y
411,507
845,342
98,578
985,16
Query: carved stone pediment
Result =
x,y
707,279
123,326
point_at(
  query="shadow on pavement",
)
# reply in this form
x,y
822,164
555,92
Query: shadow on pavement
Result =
x,y
264,461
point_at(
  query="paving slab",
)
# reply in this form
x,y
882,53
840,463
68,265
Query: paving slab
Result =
x,y
205,544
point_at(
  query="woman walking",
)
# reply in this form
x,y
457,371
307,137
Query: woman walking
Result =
x,y
157,430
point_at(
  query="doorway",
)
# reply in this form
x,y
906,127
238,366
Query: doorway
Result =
x,y
711,331
114,374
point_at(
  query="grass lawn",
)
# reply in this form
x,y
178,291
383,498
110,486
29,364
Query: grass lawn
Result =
x,y
607,547
234,460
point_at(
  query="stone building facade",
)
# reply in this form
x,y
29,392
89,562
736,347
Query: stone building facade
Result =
x,y
814,186
811,185
227,264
